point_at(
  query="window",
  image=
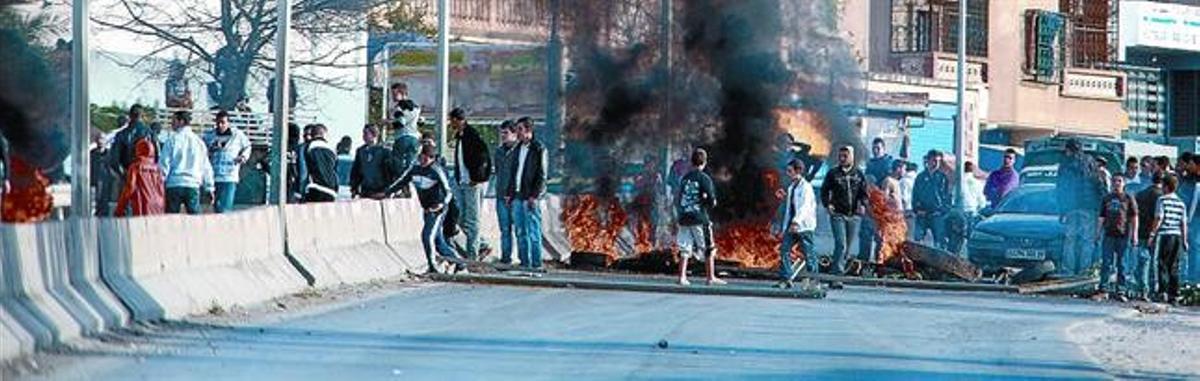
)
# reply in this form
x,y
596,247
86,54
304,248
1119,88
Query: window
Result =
x,y
932,26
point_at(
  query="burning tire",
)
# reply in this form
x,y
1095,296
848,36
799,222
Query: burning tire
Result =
x,y
1033,273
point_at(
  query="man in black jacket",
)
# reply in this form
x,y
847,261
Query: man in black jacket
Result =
x,y
528,186
844,194
321,161
472,168
433,191
121,152
370,174
505,157
932,201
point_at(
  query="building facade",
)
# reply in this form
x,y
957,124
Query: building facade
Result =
x,y
1165,35
1042,62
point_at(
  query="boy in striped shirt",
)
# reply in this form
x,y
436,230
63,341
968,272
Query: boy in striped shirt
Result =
x,y
1169,228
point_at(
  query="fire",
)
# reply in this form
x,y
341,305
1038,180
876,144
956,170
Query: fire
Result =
x,y
749,243
644,235
593,224
805,126
889,222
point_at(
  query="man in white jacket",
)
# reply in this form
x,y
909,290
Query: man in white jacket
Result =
x,y
186,169
799,222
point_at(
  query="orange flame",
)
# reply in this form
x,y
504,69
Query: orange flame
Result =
x,y
593,224
805,126
750,243
889,224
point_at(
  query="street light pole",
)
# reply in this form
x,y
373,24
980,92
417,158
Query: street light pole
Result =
x,y
278,192
81,191
443,102
554,79
960,124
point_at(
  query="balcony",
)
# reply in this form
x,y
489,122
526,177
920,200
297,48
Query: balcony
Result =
x,y
508,21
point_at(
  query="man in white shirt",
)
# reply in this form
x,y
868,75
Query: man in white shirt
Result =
x,y
798,224
187,173
973,198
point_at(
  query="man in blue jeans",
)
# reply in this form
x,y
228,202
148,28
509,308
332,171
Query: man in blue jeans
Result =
x,y
1119,222
799,222
472,169
504,160
1146,271
931,201
528,186
433,192
844,194
185,166
228,149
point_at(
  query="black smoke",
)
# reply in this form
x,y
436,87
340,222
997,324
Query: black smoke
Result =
x,y
32,103
736,62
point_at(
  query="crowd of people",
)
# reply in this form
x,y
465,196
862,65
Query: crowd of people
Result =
x,y
1134,224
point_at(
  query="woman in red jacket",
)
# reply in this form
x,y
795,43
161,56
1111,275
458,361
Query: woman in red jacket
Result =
x,y
143,194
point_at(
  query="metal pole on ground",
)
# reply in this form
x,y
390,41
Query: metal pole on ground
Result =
x,y
960,124
81,191
278,192
443,102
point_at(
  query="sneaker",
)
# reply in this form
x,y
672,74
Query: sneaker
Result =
x,y
1120,298
783,285
716,282
684,282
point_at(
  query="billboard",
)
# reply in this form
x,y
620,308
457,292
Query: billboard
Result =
x,y
1160,25
490,82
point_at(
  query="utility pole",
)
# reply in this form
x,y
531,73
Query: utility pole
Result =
x,y
443,102
960,125
81,191
554,79
667,36
278,192
386,95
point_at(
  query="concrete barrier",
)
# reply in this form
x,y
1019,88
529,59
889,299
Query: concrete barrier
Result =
x,y
554,233
35,290
342,242
402,221
176,265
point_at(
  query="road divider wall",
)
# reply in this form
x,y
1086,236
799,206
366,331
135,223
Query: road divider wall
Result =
x,y
170,266
343,242
49,291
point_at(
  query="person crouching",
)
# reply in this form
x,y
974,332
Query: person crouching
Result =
x,y
433,191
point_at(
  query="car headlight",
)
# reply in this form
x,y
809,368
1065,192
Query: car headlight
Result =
x,y
979,236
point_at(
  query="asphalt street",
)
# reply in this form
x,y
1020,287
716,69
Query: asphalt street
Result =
x,y
451,332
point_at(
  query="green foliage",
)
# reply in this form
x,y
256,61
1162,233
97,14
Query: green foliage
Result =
x,y
104,118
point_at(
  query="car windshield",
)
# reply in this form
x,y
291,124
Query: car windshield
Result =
x,y
1030,201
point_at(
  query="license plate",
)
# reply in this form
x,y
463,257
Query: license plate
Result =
x,y
1025,253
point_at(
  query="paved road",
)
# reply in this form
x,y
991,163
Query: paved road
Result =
x,y
451,332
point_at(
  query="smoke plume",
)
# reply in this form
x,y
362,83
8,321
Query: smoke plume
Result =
x,y
735,62
32,106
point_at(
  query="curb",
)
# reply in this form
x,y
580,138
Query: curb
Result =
x,y
590,284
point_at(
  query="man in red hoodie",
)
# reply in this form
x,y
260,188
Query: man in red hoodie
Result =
x,y
144,193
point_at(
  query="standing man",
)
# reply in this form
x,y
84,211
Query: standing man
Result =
x,y
405,111
1079,192
1119,222
844,194
1133,177
472,168
433,192
185,166
370,174
931,201
799,222
697,195
228,149
321,161
1189,175
1146,270
878,167
1169,230
1002,181
505,159
528,187
121,154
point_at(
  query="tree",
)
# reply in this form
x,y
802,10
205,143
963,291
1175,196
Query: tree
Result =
x,y
227,43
